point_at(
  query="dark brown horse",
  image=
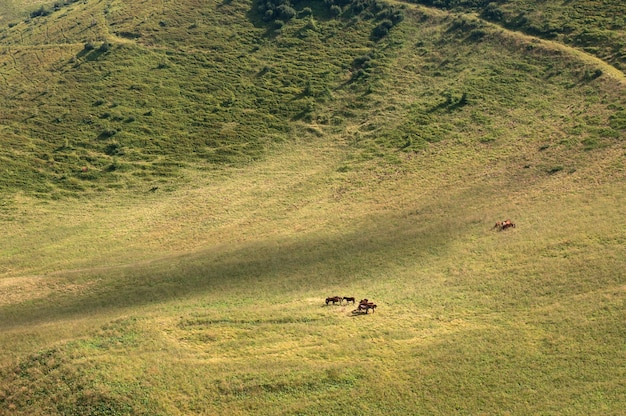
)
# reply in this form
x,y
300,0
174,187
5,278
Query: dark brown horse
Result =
x,y
349,299
334,299
366,307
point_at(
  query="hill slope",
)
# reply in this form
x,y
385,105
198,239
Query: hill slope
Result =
x,y
598,27
240,170
108,95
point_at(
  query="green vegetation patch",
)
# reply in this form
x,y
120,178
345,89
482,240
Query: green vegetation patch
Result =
x,y
595,26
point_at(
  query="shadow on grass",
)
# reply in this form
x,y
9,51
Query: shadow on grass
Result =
x,y
274,271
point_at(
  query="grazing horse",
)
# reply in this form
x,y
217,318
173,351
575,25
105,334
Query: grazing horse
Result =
x,y
349,299
503,225
366,307
334,299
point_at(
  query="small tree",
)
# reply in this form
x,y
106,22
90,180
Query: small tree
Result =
x,y
105,46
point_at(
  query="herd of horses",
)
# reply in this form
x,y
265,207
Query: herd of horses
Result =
x,y
364,304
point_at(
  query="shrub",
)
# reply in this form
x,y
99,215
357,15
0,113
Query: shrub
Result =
x,y
390,13
492,12
286,12
305,12
360,5
112,149
42,11
382,29
377,6
362,62
397,16
555,169
477,34
617,120
104,47
518,22
107,133
335,10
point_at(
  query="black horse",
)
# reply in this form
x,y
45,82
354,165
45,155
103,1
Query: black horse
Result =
x,y
333,299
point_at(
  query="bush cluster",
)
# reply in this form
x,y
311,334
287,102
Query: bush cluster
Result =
x,y
279,12
451,4
273,10
43,11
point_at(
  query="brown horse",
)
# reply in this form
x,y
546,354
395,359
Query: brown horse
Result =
x,y
349,299
366,307
334,299
503,225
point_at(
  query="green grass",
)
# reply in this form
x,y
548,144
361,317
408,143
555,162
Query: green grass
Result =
x,y
594,26
253,173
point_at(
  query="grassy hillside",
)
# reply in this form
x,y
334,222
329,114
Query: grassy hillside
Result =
x,y
108,95
184,183
596,26
112,94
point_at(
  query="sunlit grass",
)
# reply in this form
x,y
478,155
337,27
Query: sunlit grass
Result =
x,y
469,318
181,286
